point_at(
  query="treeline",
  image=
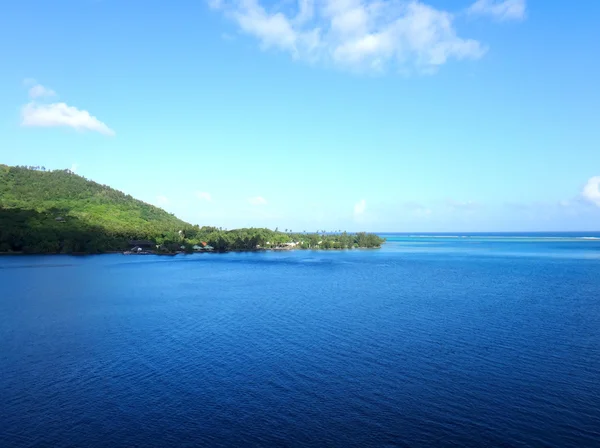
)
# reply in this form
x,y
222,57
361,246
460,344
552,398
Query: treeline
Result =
x,y
258,238
29,231
60,212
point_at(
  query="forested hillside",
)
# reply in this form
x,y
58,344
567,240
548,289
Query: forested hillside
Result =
x,y
60,212
65,193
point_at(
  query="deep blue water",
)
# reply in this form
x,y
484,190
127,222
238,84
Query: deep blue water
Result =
x,y
489,340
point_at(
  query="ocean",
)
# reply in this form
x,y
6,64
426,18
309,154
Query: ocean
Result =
x,y
464,340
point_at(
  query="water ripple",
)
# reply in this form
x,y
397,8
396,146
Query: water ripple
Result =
x,y
390,348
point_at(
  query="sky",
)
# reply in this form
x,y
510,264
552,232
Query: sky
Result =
x,y
454,115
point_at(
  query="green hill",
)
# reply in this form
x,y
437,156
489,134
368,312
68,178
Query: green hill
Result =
x,y
59,211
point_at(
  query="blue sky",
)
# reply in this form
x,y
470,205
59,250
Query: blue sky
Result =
x,y
386,116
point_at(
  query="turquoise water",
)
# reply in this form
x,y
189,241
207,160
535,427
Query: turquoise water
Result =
x,y
541,244
488,340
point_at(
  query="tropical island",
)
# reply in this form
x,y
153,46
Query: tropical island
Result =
x,y
52,212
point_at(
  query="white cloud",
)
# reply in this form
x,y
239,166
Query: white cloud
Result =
x,y
39,91
257,200
306,11
463,205
74,167
162,200
203,196
60,114
360,207
364,35
417,209
215,4
499,10
591,191
422,212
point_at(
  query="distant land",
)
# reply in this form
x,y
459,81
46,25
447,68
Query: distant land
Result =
x,y
49,212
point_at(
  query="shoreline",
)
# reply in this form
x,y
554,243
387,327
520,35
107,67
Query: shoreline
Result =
x,y
79,254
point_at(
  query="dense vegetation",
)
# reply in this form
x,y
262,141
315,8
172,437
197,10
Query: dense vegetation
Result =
x,y
60,212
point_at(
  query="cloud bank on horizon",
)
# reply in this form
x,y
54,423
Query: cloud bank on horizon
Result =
x,y
366,35
38,114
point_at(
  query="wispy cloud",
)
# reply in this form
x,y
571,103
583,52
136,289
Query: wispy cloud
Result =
x,y
361,35
591,191
162,200
499,10
463,205
203,196
257,200
74,167
39,114
39,91
360,207
417,209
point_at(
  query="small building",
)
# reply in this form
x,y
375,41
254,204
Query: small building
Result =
x,y
144,244
60,219
203,246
